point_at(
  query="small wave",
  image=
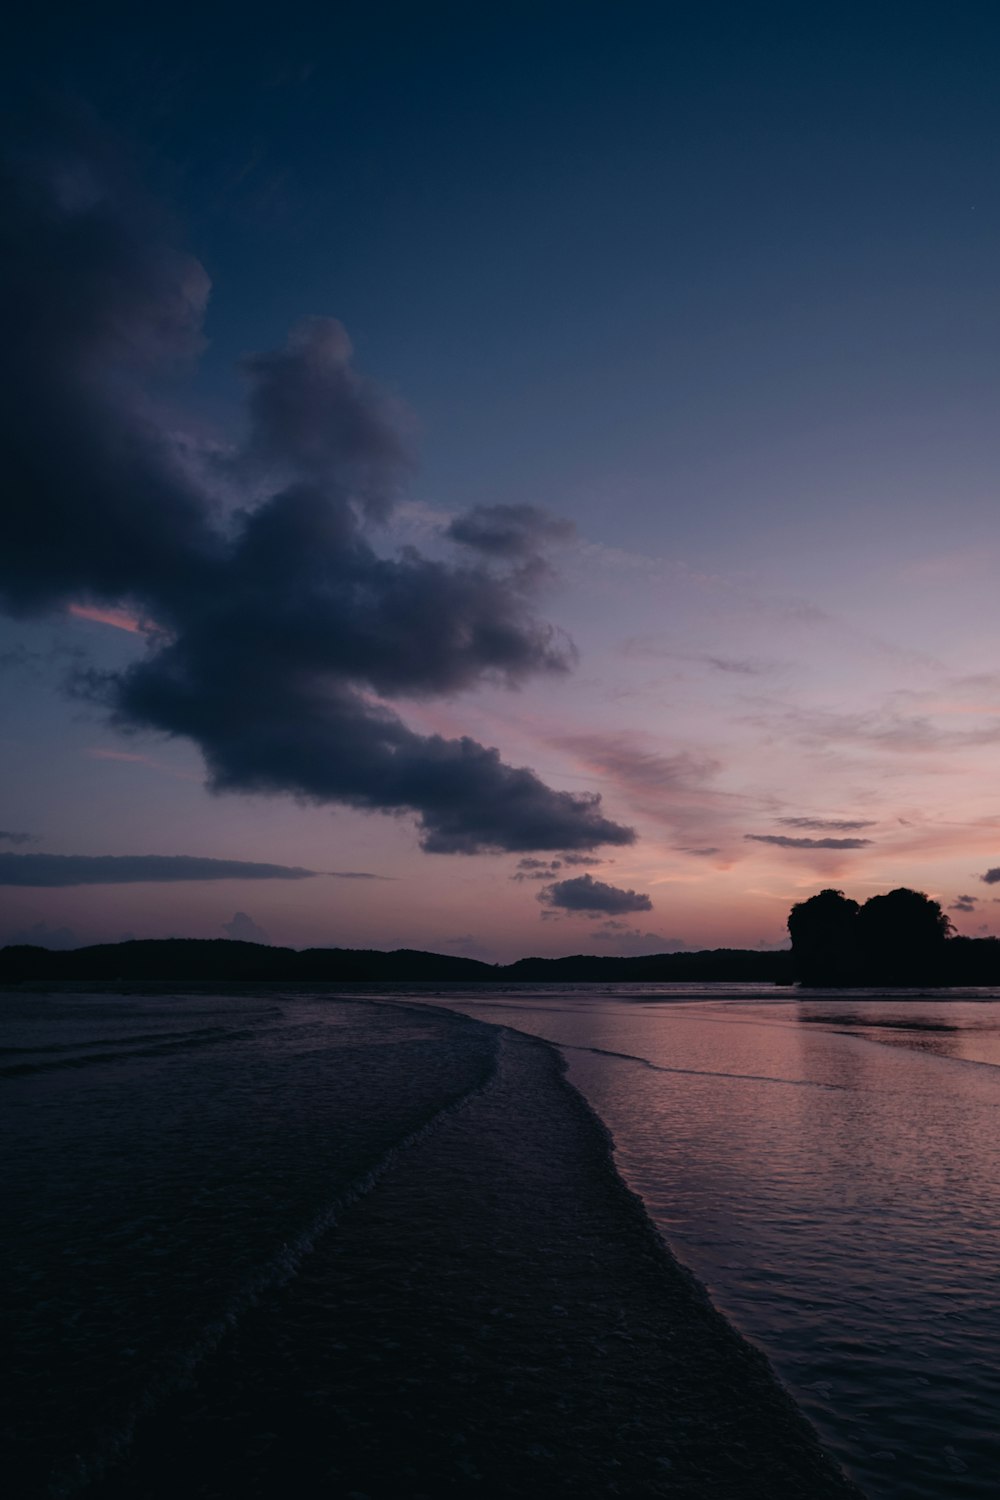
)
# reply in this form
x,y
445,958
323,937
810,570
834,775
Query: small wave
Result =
x,y
797,1083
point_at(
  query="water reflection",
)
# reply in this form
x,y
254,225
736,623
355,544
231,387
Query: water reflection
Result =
x,y
847,1223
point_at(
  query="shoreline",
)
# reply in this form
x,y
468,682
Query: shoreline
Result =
x,y
497,1315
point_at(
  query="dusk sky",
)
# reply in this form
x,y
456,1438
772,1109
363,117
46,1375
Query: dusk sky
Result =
x,y
399,397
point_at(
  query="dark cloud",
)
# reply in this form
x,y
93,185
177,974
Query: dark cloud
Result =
x,y
514,532
964,903
314,417
585,894
547,869
703,853
831,825
991,877
356,875
128,869
279,630
7,837
243,929
97,500
782,841
536,869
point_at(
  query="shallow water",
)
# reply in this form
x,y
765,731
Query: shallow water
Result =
x,y
830,1168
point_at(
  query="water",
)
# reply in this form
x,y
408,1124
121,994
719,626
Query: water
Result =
x,y
830,1169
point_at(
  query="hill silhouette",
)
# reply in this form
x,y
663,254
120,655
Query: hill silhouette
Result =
x,y
225,959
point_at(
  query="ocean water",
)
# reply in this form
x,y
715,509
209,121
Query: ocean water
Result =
x,y
829,1167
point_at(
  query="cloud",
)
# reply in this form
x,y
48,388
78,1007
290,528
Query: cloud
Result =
x,y
119,619
964,903
41,935
832,825
656,649
675,790
991,877
640,770
584,894
737,666
547,869
703,853
130,869
283,634
782,841
356,875
630,942
509,531
7,836
887,729
243,929
536,869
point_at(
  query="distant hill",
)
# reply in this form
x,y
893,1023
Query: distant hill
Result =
x,y
222,959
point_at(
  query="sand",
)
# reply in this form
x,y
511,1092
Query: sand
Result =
x,y
496,1317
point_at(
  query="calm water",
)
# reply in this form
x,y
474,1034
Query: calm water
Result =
x,y
830,1168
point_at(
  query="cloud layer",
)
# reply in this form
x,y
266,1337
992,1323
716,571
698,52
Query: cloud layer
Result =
x,y
130,869
829,825
509,531
281,633
783,841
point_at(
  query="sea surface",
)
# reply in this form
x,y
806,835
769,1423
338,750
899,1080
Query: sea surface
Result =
x,y
829,1167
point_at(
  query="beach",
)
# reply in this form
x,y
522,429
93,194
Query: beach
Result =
x,y
480,1306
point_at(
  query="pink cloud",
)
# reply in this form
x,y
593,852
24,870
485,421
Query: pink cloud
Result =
x,y
119,618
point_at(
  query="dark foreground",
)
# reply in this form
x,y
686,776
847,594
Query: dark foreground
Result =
x,y
497,1318
280,1245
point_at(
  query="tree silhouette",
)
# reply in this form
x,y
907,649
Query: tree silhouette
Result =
x,y
898,938
825,939
901,937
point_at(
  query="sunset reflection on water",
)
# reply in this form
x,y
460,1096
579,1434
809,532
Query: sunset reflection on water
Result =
x,y
830,1168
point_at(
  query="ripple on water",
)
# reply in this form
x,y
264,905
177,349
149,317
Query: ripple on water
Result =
x,y
849,1229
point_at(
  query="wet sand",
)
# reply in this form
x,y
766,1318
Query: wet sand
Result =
x,y
496,1317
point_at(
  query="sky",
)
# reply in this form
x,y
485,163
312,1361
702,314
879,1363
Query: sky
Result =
x,y
498,480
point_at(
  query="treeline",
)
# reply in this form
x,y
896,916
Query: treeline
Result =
x,y
223,960
899,938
